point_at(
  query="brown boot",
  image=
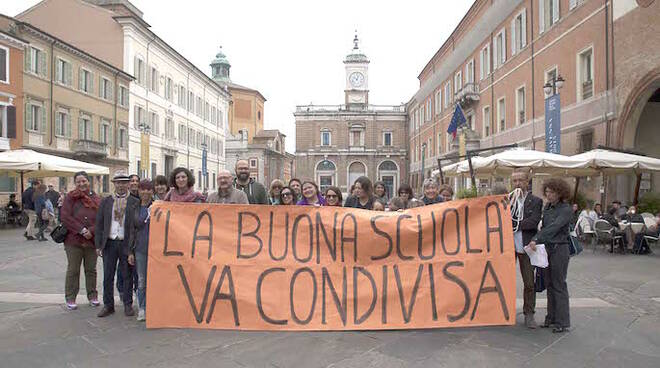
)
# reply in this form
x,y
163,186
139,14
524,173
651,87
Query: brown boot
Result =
x,y
128,310
530,322
106,311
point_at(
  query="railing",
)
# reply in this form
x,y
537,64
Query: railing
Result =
x,y
467,94
89,147
339,108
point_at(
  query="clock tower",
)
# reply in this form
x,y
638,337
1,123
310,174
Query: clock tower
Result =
x,y
357,78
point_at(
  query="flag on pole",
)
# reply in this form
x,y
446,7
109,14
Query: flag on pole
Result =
x,y
457,120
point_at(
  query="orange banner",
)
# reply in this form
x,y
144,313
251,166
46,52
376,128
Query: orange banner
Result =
x,y
328,268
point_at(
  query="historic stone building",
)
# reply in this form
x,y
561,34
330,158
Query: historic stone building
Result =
x,y
266,155
336,144
498,59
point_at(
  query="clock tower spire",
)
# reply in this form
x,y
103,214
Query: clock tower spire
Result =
x,y
357,77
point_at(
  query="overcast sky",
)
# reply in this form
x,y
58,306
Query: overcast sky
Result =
x,y
292,51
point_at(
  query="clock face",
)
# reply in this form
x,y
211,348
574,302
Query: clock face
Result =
x,y
356,79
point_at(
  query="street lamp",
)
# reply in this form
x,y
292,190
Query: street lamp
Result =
x,y
423,156
204,163
553,86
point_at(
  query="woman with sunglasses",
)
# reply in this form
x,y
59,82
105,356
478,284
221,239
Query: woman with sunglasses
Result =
x,y
286,197
333,196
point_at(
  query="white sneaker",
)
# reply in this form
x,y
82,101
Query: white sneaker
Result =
x,y
141,315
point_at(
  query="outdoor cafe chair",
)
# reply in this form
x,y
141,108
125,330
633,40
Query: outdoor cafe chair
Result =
x,y
605,234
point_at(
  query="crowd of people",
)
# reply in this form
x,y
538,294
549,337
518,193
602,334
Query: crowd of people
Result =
x,y
116,227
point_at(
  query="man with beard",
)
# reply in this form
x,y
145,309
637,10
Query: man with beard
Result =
x,y
255,191
525,229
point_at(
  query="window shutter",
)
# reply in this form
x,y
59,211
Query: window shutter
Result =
x,y
90,130
67,130
149,77
101,87
503,46
43,70
555,11
136,71
156,82
58,72
43,119
28,59
91,83
136,122
111,134
541,16
513,36
110,91
58,122
572,4
11,121
80,79
523,29
28,116
481,65
68,74
81,129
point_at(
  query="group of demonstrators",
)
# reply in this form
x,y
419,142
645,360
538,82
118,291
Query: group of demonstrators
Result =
x,y
116,227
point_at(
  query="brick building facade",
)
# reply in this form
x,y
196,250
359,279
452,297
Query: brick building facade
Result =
x,y
337,144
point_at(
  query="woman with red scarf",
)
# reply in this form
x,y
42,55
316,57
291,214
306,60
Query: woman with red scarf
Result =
x,y
78,214
182,183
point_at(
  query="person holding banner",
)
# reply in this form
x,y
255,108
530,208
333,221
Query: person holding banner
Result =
x,y
286,197
380,192
255,191
274,193
182,183
112,239
311,195
160,187
408,197
524,229
226,193
333,196
431,195
139,242
554,234
362,198
446,192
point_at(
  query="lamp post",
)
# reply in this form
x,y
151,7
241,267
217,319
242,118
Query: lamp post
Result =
x,y
204,163
553,115
423,157
145,131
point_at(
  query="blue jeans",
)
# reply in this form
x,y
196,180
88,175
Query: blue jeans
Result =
x,y
141,266
111,257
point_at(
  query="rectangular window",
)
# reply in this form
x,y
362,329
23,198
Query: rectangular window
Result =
x,y
104,134
325,181
63,71
7,183
154,79
4,64
438,102
169,128
519,32
35,61
106,89
458,82
85,128
62,123
585,73
387,139
548,14
486,121
520,106
181,96
500,48
484,62
325,138
199,105
191,137
154,123
501,115
138,117
139,71
356,138
200,139
469,72
34,117
85,81
191,101
168,89
447,94
123,138
122,98
207,111
182,133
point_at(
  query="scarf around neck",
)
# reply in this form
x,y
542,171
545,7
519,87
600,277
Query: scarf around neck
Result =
x,y
119,207
84,198
189,196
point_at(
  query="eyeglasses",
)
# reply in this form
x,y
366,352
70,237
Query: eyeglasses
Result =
x,y
285,194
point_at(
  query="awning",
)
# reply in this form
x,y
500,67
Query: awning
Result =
x,y
35,164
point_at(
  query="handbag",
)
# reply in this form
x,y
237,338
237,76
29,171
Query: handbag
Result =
x,y
539,283
59,233
574,246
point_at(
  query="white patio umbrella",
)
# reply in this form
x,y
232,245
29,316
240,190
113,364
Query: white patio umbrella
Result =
x,y
615,162
30,163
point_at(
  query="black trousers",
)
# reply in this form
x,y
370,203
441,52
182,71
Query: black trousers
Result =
x,y
112,256
557,289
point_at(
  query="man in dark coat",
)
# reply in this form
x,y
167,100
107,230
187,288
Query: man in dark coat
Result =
x,y
112,239
525,229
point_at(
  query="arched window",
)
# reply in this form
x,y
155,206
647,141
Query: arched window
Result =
x,y
355,170
388,173
325,174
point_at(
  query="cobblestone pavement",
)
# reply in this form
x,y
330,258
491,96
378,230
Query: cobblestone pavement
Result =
x,y
615,314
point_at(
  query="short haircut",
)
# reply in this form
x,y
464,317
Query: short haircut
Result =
x,y
522,170
616,201
336,190
405,188
134,176
365,183
295,179
558,186
146,184
79,173
446,187
239,160
428,182
396,204
175,172
160,180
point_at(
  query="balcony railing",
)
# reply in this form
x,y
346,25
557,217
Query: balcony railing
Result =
x,y
340,108
468,94
90,148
